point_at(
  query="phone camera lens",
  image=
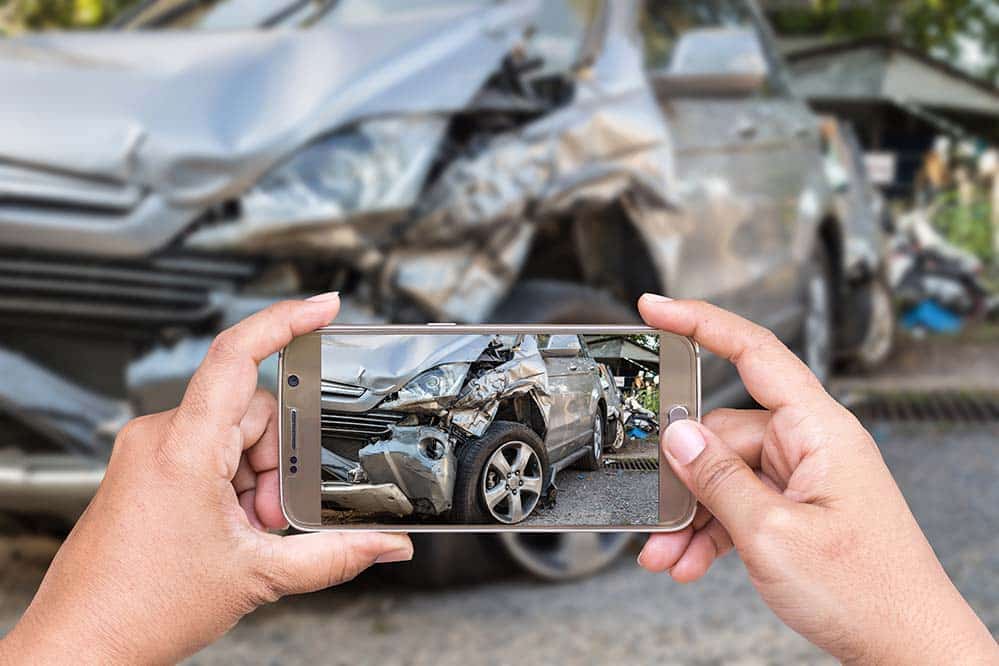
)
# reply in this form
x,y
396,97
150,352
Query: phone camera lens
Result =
x,y
294,460
292,469
293,380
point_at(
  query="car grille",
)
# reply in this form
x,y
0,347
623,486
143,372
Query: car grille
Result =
x,y
161,291
358,426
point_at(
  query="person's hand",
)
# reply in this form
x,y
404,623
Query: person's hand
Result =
x,y
801,491
173,549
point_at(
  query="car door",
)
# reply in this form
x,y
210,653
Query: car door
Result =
x,y
728,187
568,371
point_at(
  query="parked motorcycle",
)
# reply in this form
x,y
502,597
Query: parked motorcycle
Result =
x,y
924,269
640,424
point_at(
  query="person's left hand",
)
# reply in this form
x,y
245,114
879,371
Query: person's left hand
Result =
x,y
173,549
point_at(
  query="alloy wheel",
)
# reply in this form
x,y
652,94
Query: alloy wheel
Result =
x,y
511,482
818,327
598,437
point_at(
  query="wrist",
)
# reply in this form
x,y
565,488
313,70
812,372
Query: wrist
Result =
x,y
36,642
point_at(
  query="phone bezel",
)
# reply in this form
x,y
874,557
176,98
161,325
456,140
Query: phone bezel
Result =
x,y
300,499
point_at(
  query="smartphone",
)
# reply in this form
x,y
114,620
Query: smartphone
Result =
x,y
484,428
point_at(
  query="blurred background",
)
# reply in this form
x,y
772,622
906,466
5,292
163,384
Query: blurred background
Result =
x,y
828,169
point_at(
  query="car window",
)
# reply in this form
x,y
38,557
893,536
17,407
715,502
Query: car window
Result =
x,y
560,342
664,23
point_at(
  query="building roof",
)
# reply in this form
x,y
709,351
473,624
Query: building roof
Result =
x,y
617,346
882,70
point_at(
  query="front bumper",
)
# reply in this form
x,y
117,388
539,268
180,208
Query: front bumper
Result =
x,y
410,471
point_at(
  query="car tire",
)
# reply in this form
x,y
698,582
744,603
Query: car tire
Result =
x,y
879,339
593,460
557,302
816,340
615,434
475,467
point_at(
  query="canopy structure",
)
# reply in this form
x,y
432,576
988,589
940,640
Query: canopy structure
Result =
x,y
624,356
897,98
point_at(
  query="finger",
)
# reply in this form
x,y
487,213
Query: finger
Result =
x,y
310,562
773,375
741,429
268,501
706,546
662,551
245,478
247,502
261,411
701,517
221,389
718,477
263,451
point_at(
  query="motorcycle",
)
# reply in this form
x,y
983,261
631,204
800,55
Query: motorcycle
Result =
x,y
639,423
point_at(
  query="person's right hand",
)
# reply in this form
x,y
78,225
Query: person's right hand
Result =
x,y
801,491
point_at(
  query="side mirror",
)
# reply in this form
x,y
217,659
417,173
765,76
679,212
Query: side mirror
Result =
x,y
715,61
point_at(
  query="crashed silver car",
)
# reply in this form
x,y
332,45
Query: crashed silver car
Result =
x,y
471,427
457,160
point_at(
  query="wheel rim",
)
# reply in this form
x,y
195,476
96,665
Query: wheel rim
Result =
x,y
878,341
817,328
598,437
511,482
564,556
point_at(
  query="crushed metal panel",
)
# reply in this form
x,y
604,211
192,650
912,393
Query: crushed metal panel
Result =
x,y
428,483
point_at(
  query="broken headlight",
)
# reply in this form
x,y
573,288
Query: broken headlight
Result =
x,y
427,388
376,165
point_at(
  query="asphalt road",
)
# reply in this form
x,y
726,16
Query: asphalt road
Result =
x,y
622,615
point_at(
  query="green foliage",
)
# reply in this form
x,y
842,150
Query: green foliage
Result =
x,y
648,397
18,16
967,226
935,27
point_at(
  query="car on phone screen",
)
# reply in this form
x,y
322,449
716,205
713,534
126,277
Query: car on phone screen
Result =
x,y
472,428
434,160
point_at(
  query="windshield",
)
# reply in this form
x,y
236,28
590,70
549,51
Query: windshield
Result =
x,y
245,14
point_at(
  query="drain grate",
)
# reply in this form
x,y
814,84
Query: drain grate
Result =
x,y
934,406
632,464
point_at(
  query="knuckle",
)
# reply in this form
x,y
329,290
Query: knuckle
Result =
x,y
771,526
223,345
717,418
714,475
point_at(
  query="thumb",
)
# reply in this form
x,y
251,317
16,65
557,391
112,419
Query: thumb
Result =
x,y
718,477
310,562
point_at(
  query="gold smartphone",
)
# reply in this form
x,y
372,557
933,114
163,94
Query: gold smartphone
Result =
x,y
444,427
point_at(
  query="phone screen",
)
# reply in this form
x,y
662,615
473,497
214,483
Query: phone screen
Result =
x,y
504,429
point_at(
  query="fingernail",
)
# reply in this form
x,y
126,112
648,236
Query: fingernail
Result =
x,y
684,441
640,556
397,555
322,298
656,298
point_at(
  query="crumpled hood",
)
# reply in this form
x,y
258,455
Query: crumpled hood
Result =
x,y
199,115
385,363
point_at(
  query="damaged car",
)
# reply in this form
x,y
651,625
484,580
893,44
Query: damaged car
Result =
x,y
433,160
470,427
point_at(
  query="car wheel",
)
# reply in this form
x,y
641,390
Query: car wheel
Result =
x,y
880,336
556,302
565,556
817,328
501,476
595,451
616,434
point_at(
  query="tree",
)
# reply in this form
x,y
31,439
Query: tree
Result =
x,y
940,28
18,16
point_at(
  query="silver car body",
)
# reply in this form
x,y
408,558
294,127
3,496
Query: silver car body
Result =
x,y
400,443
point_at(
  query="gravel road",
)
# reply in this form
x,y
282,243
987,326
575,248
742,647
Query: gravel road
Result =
x,y
622,615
